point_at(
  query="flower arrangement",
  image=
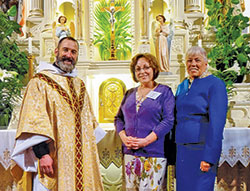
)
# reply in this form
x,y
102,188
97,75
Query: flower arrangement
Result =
x,y
13,66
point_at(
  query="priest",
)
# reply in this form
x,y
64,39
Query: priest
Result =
x,y
57,131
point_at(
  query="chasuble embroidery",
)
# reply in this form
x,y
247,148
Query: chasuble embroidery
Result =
x,y
59,107
76,105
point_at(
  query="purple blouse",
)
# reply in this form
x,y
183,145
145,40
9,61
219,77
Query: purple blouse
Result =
x,y
155,115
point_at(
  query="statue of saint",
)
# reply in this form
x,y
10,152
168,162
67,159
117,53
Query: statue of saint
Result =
x,y
163,34
62,30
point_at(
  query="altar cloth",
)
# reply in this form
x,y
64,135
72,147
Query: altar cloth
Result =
x,y
236,146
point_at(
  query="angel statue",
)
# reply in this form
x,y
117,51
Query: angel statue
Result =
x,y
163,35
62,30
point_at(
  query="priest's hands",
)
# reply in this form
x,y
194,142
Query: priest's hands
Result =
x,y
46,165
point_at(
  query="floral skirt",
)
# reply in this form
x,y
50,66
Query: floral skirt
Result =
x,y
145,173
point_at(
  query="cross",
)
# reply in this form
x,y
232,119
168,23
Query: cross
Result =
x,y
112,10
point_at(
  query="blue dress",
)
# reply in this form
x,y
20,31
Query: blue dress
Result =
x,y
201,116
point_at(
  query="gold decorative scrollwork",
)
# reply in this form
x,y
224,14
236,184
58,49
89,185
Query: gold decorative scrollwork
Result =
x,y
110,96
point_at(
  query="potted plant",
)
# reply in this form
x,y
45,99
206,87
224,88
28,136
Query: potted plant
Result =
x,y
13,66
230,54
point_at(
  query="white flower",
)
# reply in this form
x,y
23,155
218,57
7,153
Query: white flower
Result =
x,y
6,74
1,74
235,67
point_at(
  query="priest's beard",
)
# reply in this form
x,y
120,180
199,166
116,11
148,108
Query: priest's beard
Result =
x,y
65,67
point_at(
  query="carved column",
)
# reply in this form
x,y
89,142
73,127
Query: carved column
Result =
x,y
83,29
194,20
89,26
49,12
145,21
47,44
145,46
192,6
36,8
79,20
180,41
179,13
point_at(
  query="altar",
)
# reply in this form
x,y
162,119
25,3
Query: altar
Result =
x,y
233,171
234,165
7,138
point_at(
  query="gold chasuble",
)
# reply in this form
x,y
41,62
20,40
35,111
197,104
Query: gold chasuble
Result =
x,y
59,107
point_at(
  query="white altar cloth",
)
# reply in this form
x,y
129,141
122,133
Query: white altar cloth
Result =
x,y
7,141
236,146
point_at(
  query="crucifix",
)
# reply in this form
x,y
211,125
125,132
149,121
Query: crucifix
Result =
x,y
112,10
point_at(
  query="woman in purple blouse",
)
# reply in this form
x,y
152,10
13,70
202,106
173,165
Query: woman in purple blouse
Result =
x,y
145,116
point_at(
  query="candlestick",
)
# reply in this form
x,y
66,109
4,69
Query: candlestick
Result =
x,y
31,68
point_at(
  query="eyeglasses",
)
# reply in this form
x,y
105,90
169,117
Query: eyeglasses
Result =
x,y
144,69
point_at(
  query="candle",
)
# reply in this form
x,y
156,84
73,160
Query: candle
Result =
x,y
30,45
200,43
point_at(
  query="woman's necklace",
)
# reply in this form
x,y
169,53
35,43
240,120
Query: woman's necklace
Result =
x,y
141,95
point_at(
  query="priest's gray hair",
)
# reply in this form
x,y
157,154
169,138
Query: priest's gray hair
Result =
x,y
195,51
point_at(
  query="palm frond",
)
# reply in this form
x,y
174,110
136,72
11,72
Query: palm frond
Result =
x,y
102,36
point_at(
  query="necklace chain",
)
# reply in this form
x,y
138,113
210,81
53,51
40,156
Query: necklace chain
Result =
x,y
143,95
140,97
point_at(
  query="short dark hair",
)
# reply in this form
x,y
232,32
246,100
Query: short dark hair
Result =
x,y
164,19
61,17
153,63
68,38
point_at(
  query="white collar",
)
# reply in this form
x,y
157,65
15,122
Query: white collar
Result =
x,y
54,70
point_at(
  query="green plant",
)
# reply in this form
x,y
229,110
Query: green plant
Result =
x,y
102,34
13,66
230,54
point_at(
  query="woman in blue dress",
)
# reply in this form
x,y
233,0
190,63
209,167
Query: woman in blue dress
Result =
x,y
201,105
